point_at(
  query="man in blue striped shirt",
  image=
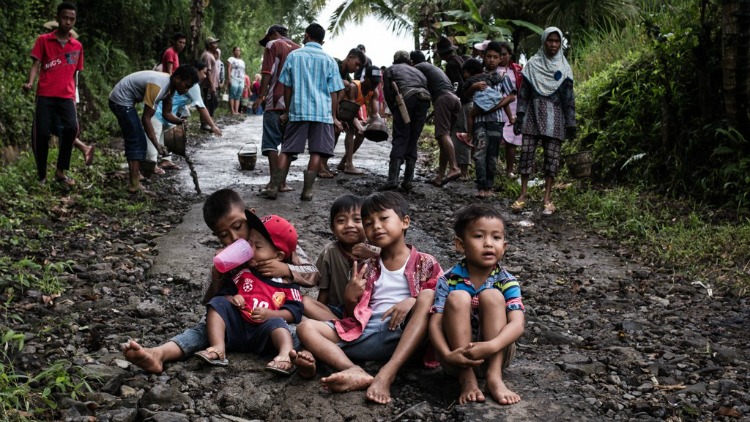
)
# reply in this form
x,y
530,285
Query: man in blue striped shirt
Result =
x,y
311,84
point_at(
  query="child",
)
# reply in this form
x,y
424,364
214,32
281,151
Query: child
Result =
x,y
224,213
484,99
262,307
336,260
478,313
488,125
389,298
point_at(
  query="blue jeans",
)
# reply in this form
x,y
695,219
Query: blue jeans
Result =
x,y
376,343
133,133
193,339
273,132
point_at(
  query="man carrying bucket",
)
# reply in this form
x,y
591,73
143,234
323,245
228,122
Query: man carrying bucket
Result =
x,y
361,92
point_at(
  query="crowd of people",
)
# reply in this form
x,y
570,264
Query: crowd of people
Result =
x,y
379,298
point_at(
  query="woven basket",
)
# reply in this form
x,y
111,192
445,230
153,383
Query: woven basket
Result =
x,y
579,164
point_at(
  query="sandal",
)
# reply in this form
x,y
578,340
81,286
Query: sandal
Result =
x,y
65,180
464,138
518,206
272,366
168,165
206,355
549,209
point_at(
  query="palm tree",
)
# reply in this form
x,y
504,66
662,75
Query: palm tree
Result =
x,y
736,62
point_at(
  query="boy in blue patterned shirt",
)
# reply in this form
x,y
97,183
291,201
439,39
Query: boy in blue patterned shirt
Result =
x,y
478,313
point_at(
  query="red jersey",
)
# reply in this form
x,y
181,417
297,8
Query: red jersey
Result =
x,y
170,56
264,293
58,66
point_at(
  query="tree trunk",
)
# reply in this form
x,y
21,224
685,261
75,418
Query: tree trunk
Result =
x,y
736,63
196,26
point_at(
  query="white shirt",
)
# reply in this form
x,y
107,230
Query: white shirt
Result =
x,y
390,288
238,68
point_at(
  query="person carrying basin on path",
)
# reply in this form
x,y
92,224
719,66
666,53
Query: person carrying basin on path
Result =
x,y
276,48
546,114
150,88
361,92
57,59
311,88
402,79
446,107
224,213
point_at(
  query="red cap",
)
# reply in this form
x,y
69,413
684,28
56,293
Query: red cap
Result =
x,y
276,230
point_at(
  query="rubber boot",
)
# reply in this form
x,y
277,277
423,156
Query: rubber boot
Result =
x,y
308,185
272,191
394,167
408,183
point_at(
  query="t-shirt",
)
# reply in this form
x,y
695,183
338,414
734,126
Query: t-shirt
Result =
x,y
190,98
389,289
437,81
265,293
170,56
238,69
212,77
59,63
335,268
274,57
147,86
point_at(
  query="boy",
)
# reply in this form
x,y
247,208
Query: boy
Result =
x,y
478,313
224,213
262,306
336,260
486,121
387,300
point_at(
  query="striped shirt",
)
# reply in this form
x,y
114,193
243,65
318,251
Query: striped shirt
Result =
x,y
504,86
314,76
457,278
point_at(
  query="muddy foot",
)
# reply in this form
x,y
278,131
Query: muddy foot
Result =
x,y
470,392
145,359
352,379
305,363
380,390
501,393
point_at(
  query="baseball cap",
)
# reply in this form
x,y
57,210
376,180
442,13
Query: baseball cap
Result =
x,y
270,31
400,55
209,40
373,72
481,46
276,230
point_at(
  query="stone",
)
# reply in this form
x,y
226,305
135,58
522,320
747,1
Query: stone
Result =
x,y
164,397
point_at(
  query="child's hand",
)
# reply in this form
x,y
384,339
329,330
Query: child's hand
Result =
x,y
399,312
364,251
272,268
479,86
458,358
238,301
357,282
260,314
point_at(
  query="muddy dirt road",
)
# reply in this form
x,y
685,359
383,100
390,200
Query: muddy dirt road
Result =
x,y
607,337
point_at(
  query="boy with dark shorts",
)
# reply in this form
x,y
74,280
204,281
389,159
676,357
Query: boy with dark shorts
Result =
x,y
387,299
478,312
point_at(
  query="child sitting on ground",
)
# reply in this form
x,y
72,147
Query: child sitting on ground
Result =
x,y
224,213
478,313
485,100
336,259
388,298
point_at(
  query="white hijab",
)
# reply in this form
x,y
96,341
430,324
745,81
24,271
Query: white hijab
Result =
x,y
546,74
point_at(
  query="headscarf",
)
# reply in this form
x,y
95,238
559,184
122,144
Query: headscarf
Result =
x,y
546,74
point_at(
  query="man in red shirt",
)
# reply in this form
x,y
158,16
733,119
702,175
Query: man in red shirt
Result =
x,y
170,60
58,57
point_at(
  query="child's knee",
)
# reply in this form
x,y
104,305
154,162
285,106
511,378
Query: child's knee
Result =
x,y
491,297
458,300
426,296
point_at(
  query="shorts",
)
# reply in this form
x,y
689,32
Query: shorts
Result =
x,y
447,108
318,137
243,336
377,342
133,134
337,310
235,90
273,132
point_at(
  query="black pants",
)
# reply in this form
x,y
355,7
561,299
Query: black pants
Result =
x,y
53,116
211,100
406,135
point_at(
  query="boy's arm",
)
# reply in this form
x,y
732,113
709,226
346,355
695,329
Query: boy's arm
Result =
x,y
33,72
214,282
303,271
511,332
323,296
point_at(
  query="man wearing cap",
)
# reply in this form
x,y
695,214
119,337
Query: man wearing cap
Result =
x,y
412,86
479,49
210,85
311,88
446,106
453,63
276,48
361,92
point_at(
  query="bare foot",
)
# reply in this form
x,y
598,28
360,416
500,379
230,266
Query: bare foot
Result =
x,y
285,188
352,379
479,350
470,392
500,392
146,359
89,155
353,170
305,363
380,390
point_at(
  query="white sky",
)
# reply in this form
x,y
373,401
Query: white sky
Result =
x,y
380,42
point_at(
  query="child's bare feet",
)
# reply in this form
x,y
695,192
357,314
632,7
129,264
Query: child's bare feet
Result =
x,y
470,392
352,379
305,363
380,389
500,392
146,359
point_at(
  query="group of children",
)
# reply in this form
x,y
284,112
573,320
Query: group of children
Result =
x,y
379,299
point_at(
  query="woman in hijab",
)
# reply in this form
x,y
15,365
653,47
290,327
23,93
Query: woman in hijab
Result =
x,y
545,114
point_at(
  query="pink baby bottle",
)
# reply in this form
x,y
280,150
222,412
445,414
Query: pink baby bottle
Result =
x,y
233,256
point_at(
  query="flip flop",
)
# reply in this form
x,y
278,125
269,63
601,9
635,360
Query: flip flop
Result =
x,y
326,175
206,356
65,180
435,183
518,206
549,209
271,366
357,172
169,166
464,138
450,179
